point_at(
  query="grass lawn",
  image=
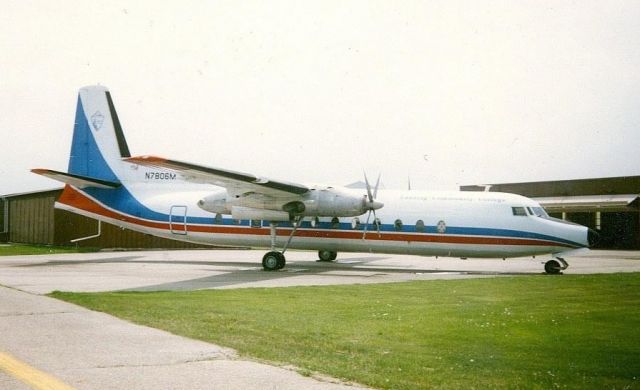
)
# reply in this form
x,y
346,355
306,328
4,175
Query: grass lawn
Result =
x,y
24,249
531,332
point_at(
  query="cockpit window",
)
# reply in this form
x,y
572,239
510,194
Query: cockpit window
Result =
x,y
519,211
540,212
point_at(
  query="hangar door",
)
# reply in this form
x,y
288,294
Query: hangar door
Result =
x,y
619,230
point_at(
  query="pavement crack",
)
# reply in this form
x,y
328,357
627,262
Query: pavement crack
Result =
x,y
169,364
18,314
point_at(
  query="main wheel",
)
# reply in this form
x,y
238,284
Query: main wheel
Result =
x,y
327,255
552,267
273,261
281,261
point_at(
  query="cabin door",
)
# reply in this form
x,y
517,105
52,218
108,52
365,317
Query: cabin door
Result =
x,y
178,220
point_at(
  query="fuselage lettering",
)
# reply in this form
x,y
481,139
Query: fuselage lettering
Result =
x,y
159,176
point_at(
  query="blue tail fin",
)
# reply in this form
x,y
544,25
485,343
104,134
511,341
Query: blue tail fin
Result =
x,y
98,144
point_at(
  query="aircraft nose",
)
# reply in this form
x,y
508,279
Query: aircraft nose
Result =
x,y
593,237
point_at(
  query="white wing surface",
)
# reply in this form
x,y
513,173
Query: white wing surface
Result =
x,y
234,182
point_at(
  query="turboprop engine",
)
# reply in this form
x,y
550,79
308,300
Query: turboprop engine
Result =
x,y
318,202
331,202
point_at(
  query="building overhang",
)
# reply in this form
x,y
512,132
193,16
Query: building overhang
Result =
x,y
590,203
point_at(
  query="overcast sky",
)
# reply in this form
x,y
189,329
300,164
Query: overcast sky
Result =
x,y
447,93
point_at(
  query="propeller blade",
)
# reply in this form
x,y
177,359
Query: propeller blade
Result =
x,y
375,190
368,187
364,233
376,221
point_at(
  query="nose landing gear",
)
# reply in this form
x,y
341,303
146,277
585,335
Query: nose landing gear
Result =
x,y
555,266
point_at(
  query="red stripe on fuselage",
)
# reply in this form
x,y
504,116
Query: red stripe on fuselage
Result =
x,y
76,199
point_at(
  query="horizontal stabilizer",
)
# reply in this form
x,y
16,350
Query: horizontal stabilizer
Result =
x,y
76,180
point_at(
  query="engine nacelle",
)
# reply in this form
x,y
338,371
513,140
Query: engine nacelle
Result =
x,y
239,212
215,203
318,202
330,202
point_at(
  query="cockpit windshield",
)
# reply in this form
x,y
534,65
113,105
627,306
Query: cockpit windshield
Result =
x,y
539,212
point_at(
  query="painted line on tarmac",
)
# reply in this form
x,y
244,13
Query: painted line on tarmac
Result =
x,y
33,377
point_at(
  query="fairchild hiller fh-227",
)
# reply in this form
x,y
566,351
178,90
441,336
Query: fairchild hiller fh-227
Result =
x,y
206,205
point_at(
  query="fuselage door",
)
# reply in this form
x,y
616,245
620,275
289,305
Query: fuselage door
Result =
x,y
178,220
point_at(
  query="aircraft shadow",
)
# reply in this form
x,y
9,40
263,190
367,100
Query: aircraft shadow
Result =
x,y
250,272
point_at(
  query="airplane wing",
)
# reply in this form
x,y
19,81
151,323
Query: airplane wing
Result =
x,y
237,182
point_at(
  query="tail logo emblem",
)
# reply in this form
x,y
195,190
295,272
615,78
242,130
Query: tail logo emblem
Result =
x,y
97,119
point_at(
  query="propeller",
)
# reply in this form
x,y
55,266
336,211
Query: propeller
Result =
x,y
371,205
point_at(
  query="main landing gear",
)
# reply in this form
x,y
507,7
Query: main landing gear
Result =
x,y
327,255
555,266
275,260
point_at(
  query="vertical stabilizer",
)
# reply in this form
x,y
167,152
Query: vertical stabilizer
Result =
x,y
98,140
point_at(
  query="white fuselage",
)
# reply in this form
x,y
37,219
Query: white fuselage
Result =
x,y
459,224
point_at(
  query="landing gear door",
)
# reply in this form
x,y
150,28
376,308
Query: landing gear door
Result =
x,y
178,220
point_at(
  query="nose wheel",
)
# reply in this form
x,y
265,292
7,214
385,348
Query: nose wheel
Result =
x,y
555,266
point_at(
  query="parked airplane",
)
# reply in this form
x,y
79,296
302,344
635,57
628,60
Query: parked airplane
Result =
x,y
200,204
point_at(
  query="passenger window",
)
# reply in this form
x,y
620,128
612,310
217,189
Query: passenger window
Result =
x,y
315,222
335,223
398,225
519,211
420,226
256,223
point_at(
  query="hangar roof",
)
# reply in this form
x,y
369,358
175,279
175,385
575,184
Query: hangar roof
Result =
x,y
599,186
612,194
610,203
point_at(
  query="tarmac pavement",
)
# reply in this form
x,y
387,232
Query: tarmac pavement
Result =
x,y
91,350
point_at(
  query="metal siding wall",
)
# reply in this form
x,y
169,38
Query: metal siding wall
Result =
x,y
31,219
71,226
34,220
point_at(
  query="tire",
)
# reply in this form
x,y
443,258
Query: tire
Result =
x,y
281,260
327,255
552,267
271,261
